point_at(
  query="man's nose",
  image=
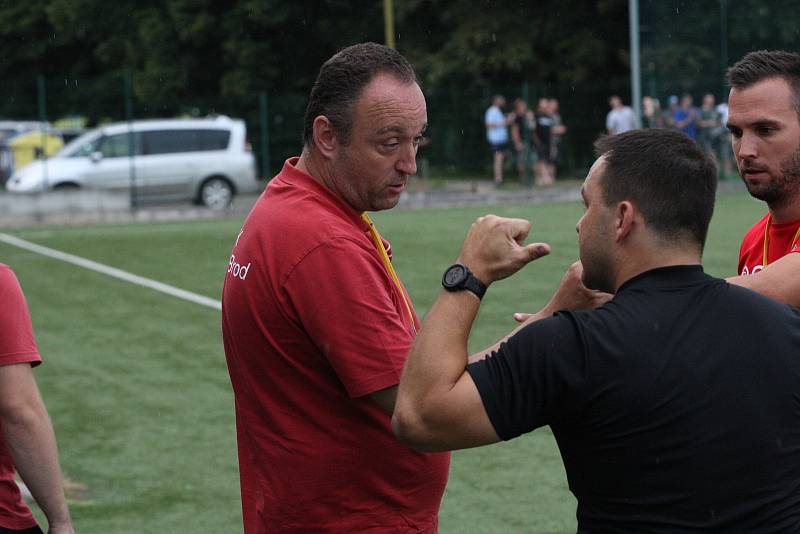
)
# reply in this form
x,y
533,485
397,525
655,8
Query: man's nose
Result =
x,y
407,160
747,146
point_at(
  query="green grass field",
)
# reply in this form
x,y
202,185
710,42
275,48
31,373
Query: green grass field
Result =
x,y
136,384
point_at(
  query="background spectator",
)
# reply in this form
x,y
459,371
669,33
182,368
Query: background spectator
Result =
x,y
544,170
725,155
685,116
497,134
559,129
651,113
709,125
621,117
522,125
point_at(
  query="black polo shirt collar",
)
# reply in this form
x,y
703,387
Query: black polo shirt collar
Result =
x,y
674,275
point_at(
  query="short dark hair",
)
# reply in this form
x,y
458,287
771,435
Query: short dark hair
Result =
x,y
762,64
669,178
341,80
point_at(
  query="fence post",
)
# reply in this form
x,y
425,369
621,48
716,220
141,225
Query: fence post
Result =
x,y
128,89
525,94
266,171
723,45
41,90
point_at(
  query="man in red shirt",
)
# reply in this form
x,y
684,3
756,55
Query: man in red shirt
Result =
x,y
27,441
764,121
316,325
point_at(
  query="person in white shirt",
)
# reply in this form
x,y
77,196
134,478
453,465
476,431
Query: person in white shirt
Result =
x,y
497,134
621,117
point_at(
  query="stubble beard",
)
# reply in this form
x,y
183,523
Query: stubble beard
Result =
x,y
599,277
784,188
354,190
598,270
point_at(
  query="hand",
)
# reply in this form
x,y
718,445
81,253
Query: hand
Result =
x,y
494,248
571,295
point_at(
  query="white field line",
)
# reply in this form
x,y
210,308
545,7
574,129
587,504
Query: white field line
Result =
x,y
111,271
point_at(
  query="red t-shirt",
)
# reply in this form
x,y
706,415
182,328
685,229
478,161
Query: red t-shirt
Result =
x,y
312,323
781,242
17,345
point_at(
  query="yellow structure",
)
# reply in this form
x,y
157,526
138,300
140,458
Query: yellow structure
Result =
x,y
32,145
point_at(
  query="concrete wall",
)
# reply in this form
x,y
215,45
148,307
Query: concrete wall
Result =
x,y
93,206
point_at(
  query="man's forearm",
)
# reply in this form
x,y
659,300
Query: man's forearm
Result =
x,y
31,442
438,404
439,354
779,280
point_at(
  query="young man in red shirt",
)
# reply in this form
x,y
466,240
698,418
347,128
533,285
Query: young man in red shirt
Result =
x,y
764,121
27,442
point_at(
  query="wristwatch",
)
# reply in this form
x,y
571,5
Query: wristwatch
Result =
x,y
457,278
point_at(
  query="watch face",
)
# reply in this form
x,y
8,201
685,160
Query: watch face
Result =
x,y
454,276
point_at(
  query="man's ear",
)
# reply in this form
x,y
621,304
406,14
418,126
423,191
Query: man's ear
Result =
x,y
325,139
625,215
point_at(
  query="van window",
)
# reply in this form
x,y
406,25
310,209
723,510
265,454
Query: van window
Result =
x,y
111,146
171,141
118,146
86,149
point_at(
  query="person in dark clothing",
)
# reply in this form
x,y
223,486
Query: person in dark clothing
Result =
x,y
676,405
543,136
522,125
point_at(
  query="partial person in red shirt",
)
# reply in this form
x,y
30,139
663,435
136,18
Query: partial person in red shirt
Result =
x,y
317,325
764,121
27,442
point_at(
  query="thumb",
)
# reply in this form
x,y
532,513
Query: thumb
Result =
x,y
535,251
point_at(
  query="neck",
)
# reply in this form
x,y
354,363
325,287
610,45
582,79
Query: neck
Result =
x,y
321,170
664,256
315,168
785,210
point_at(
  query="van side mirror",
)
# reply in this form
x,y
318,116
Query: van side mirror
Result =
x,y
96,156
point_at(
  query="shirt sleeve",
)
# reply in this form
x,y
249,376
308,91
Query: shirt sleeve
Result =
x,y
351,311
609,122
537,377
17,344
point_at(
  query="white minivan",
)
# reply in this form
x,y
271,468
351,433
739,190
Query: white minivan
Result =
x,y
204,160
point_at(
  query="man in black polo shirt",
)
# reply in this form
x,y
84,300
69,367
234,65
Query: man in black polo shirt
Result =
x,y
676,405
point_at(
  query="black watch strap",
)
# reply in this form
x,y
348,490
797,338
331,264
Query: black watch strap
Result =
x,y
458,278
475,285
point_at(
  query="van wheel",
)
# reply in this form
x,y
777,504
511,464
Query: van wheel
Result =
x,y
66,186
216,193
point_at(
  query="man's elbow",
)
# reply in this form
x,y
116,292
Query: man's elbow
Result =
x,y
410,428
21,413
